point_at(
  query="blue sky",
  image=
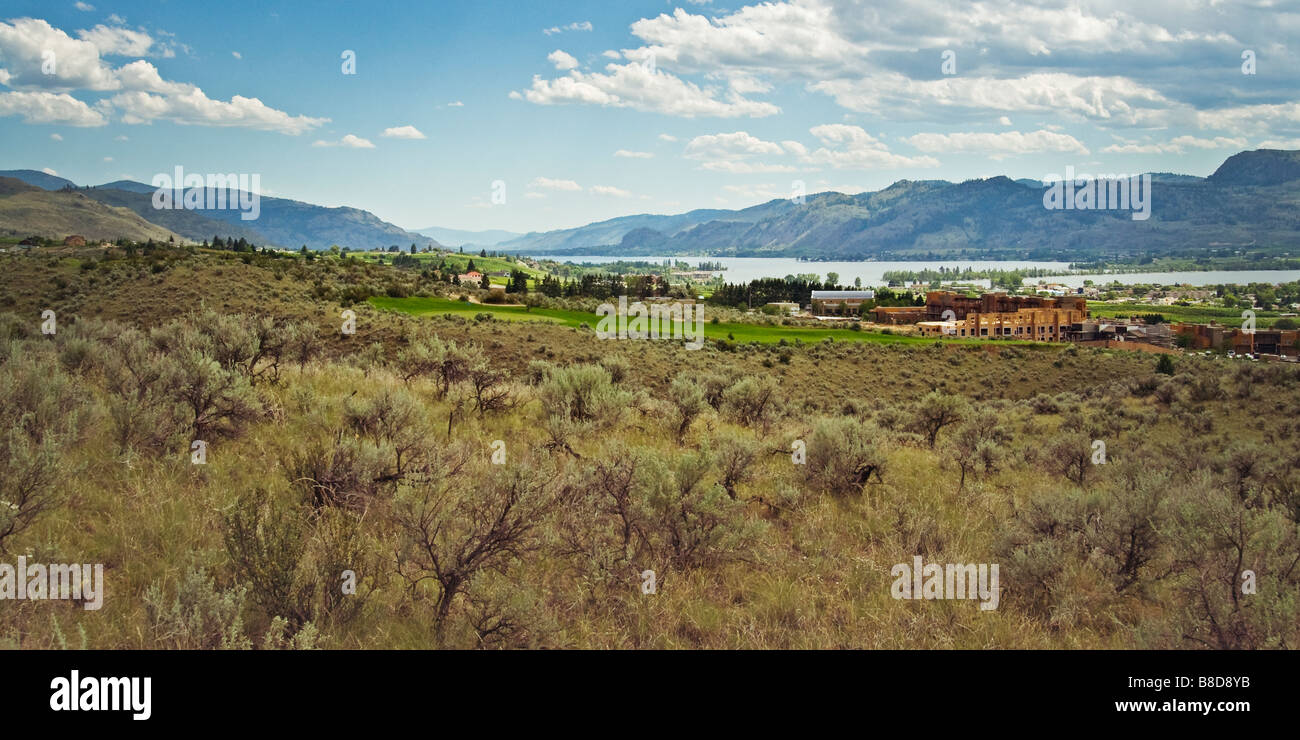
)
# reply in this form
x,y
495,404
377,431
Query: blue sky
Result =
x,y
589,110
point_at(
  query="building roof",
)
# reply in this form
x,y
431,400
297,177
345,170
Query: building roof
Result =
x,y
821,295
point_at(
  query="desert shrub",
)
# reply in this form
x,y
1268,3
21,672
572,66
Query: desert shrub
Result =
x,y
752,400
344,473
842,455
687,522
218,402
617,366
978,446
687,400
41,410
143,410
292,559
199,617
582,393
735,457
1235,571
393,416
452,528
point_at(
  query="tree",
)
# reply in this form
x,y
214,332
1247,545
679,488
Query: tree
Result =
x,y
833,278
1165,365
484,282
938,410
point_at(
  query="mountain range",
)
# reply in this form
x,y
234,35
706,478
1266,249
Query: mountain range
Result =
x,y
1251,201
281,222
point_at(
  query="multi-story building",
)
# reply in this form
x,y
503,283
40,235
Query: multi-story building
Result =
x,y
842,302
938,304
1000,315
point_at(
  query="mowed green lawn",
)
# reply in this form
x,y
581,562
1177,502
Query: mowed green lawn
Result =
x,y
1176,314
738,332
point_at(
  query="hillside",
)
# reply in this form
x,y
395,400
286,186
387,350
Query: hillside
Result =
x,y
1250,201
327,451
281,221
29,211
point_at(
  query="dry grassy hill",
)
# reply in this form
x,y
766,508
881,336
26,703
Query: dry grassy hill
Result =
x,y
30,211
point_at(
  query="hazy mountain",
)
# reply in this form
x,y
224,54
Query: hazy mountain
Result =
x,y
1252,200
611,232
461,237
28,210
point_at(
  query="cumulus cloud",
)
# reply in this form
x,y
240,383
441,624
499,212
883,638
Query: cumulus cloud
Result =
x,y
79,5
403,132
851,147
115,40
643,88
1106,64
632,155
735,153
997,145
350,141
48,107
142,94
562,60
611,191
1177,145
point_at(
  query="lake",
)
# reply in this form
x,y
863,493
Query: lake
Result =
x,y
745,269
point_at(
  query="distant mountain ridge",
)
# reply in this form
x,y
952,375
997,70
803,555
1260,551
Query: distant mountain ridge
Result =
x,y
464,238
1252,199
281,222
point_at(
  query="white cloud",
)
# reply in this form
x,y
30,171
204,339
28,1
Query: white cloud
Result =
x,y
667,137
997,145
1111,99
49,171
455,104
632,155
145,95
114,40
546,183
108,159
48,107
562,60
635,86
850,147
23,46
56,137
610,190
1279,144
403,132
79,5
735,145
733,153
350,141
1004,120
121,137
236,55
575,26
1177,145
